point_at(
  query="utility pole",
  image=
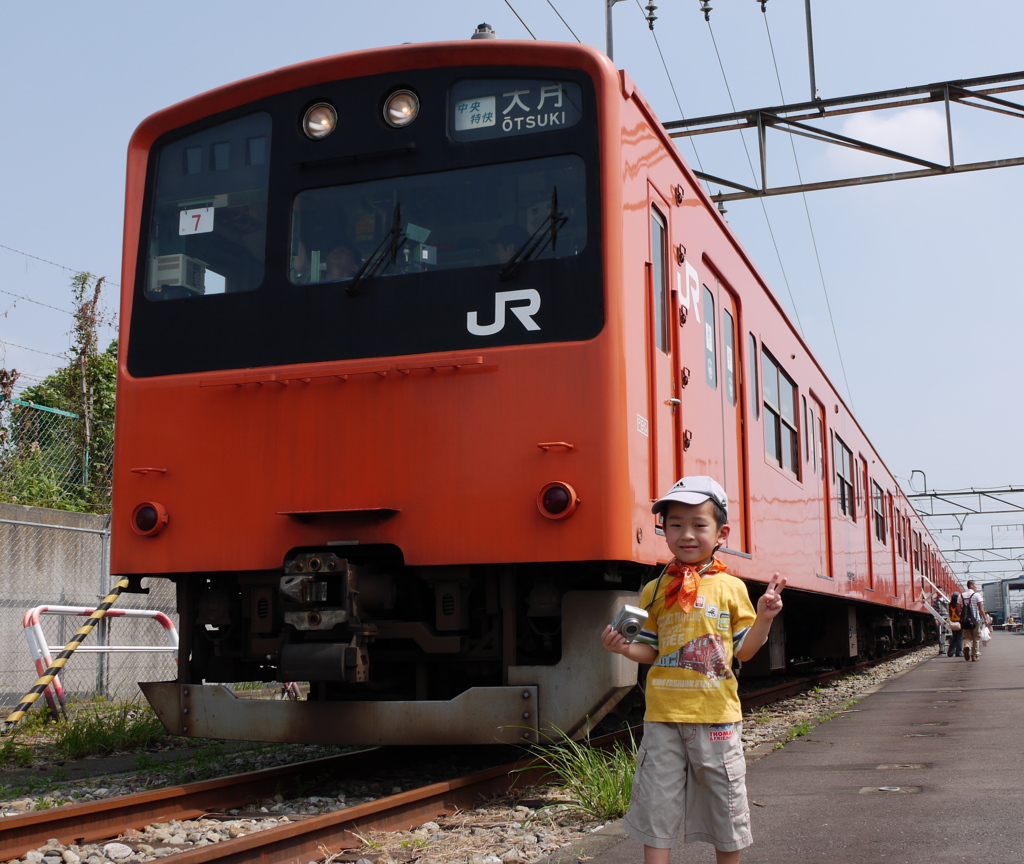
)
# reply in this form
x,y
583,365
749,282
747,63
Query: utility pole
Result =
x,y
810,50
608,27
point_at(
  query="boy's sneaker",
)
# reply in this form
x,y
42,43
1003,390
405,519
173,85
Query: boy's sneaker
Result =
x,y
967,654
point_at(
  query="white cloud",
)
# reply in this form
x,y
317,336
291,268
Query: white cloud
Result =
x,y
919,132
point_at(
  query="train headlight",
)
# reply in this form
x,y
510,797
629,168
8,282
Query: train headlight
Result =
x,y
401,108
149,518
320,121
557,500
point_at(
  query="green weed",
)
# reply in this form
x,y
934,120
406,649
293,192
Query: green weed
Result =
x,y
15,754
100,730
50,802
598,781
801,728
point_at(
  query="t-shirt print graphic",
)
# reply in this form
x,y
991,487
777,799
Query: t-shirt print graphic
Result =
x,y
706,655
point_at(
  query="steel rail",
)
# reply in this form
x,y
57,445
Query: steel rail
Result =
x,y
802,685
101,820
319,836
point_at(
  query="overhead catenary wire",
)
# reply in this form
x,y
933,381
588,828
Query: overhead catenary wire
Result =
x,y
672,87
521,21
807,211
768,222
560,18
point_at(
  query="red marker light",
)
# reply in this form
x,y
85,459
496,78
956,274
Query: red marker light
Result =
x,y
557,500
149,519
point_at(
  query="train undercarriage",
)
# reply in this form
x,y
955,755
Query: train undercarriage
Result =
x,y
394,654
473,655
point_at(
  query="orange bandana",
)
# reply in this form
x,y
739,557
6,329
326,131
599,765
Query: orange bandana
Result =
x,y
685,581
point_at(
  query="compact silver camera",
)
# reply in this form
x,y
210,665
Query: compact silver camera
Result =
x,y
629,622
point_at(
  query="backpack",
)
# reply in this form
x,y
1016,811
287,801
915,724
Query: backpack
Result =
x,y
968,617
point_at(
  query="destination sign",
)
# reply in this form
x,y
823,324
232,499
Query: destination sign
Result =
x,y
485,109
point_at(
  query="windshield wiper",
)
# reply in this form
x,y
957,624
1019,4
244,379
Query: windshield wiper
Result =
x,y
386,251
538,240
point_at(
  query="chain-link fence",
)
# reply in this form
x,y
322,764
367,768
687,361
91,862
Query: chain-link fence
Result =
x,y
53,458
53,557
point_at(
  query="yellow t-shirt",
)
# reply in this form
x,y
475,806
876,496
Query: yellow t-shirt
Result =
x,y
692,680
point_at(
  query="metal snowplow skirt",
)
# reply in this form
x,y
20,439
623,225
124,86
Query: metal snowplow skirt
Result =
x,y
482,715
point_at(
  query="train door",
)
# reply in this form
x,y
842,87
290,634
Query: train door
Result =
x,y
894,532
821,465
709,346
663,387
865,480
733,446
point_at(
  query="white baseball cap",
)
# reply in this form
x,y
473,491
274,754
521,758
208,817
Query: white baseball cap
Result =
x,y
694,490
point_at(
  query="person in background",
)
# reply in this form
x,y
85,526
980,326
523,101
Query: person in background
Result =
x,y
956,638
341,263
941,610
508,239
972,609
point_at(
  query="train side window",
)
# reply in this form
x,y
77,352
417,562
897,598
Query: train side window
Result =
x,y
819,446
710,342
807,425
755,405
917,552
728,343
220,156
842,458
878,511
256,150
891,511
781,435
192,160
659,246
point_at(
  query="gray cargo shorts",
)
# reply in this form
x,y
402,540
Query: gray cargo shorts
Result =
x,y
690,776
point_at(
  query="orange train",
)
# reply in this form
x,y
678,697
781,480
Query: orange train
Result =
x,y
414,336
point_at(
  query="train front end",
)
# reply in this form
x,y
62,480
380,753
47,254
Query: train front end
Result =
x,y
371,400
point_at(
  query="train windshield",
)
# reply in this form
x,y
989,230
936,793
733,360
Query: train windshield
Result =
x,y
262,247
209,225
471,217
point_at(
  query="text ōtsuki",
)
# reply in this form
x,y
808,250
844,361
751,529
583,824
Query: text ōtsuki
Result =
x,y
520,110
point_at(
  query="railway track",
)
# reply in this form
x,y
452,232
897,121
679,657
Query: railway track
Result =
x,y
796,686
306,838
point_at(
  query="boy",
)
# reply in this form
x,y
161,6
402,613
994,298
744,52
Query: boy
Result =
x,y
690,767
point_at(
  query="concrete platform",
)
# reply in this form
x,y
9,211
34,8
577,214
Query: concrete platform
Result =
x,y
927,769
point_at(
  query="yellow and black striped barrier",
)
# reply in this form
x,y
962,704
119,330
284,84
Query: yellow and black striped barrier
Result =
x,y
58,664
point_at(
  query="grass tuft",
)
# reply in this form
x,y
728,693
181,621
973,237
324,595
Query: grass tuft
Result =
x,y
14,754
102,729
599,781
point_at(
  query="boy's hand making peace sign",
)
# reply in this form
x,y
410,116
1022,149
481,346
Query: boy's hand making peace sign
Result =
x,y
769,604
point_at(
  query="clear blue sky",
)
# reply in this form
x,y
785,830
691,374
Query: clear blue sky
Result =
x,y
923,276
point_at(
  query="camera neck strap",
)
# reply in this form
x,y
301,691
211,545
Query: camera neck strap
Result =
x,y
685,582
